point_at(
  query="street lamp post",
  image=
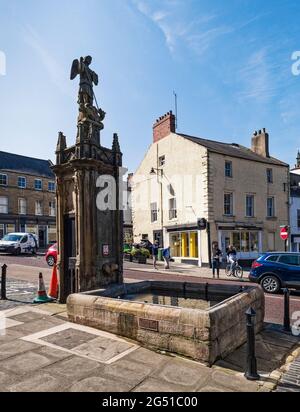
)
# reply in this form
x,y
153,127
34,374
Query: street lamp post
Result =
x,y
156,171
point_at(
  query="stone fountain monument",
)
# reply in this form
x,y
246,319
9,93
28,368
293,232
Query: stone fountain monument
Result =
x,y
89,236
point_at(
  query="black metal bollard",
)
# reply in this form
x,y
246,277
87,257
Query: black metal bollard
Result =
x,y
286,319
251,370
3,282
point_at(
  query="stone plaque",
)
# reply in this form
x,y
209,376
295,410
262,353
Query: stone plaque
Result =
x,y
148,324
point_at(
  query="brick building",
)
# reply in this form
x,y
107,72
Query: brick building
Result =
x,y
27,197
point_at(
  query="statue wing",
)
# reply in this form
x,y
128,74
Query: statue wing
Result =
x,y
74,69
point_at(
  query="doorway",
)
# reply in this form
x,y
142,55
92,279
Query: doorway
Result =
x,y
42,237
69,255
158,236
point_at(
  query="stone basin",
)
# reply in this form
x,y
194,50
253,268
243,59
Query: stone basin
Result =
x,y
204,335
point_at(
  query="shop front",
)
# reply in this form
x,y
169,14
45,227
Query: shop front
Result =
x,y
184,244
246,240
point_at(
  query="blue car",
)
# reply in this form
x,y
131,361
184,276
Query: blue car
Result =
x,y
276,270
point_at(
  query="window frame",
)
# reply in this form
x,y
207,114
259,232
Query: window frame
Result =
x,y
41,208
298,218
230,175
172,210
25,180
274,210
50,183
6,179
153,212
4,205
269,175
231,204
19,206
249,195
52,202
37,188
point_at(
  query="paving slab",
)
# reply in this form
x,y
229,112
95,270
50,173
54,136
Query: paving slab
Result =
x,y
26,362
69,338
6,379
9,335
99,384
128,371
75,368
28,316
39,382
16,347
52,354
147,357
183,372
231,381
103,349
156,385
38,325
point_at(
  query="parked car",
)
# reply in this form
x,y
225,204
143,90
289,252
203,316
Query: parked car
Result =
x,y
276,270
51,255
17,243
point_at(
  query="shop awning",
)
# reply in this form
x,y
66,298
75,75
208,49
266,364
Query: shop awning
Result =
x,y
180,228
239,226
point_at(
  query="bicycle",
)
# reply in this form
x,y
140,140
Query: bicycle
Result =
x,y
237,270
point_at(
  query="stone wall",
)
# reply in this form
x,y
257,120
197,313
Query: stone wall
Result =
x,y
203,335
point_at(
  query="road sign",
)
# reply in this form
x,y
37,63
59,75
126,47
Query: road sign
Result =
x,y
284,233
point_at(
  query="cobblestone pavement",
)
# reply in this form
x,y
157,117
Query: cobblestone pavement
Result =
x,y
41,352
290,381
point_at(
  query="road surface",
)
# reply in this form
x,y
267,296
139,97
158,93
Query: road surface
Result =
x,y
23,276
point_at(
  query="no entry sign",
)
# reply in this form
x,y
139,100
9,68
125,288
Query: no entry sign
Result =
x,y
284,234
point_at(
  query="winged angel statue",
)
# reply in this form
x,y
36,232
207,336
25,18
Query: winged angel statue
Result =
x,y
86,96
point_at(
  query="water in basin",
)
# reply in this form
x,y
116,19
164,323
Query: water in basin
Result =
x,y
166,298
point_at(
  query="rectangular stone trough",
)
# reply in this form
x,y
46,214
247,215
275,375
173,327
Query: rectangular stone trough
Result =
x,y
203,335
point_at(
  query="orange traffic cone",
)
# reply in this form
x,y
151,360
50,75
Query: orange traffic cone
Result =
x,y
53,289
42,295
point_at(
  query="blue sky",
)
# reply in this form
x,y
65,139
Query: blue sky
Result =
x,y
229,62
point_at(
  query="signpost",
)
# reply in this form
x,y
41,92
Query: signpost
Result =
x,y
284,234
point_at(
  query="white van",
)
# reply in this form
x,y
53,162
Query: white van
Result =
x,y
17,243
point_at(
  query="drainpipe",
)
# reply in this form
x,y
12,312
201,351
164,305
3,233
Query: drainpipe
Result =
x,y
209,244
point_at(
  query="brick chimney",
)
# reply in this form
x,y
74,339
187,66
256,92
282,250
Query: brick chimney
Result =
x,y
164,126
260,143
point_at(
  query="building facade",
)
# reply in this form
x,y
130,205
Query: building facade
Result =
x,y
240,194
27,197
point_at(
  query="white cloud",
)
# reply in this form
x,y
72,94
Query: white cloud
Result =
x,y
55,71
175,28
256,77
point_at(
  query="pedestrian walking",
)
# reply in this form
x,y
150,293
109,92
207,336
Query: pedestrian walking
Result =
x,y
167,257
155,254
216,260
